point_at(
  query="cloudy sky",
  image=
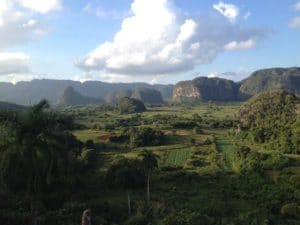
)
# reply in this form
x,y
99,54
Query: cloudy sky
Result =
x,y
155,41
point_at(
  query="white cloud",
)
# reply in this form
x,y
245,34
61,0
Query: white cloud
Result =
x,y
212,75
164,44
230,11
30,23
14,78
18,26
295,23
297,6
41,6
13,63
242,45
238,75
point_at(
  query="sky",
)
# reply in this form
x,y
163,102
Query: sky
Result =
x,y
154,41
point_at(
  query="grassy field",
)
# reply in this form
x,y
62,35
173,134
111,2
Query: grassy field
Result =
x,y
178,157
226,148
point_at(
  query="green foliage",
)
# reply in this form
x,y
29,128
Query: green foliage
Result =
x,y
268,111
36,149
126,174
295,181
245,160
197,187
275,161
145,136
269,117
186,217
149,160
291,210
270,79
178,157
130,105
138,219
88,158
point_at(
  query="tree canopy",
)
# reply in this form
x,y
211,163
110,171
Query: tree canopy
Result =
x,y
269,117
37,152
130,105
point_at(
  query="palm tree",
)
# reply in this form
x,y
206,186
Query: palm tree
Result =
x,y
34,150
149,161
125,174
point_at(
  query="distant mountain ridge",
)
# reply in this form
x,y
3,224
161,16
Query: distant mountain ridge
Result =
x,y
201,88
219,89
30,92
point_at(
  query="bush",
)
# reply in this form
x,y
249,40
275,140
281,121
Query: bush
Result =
x,y
196,163
138,219
197,130
130,105
246,160
90,144
89,157
295,181
291,210
275,161
146,137
185,217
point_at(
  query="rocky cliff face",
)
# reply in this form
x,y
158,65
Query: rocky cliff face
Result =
x,y
186,89
206,89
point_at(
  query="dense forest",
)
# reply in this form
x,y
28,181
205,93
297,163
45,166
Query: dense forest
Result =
x,y
197,164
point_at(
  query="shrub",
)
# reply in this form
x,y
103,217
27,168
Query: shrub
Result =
x,y
291,210
90,144
138,219
197,130
130,105
295,181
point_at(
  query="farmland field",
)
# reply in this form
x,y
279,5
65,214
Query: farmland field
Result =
x,y
178,157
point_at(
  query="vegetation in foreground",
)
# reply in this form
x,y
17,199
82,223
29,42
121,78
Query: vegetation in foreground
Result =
x,y
209,164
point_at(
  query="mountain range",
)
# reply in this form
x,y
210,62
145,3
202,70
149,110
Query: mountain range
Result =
x,y
68,92
30,92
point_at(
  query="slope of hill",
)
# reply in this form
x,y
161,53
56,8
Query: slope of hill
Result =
x,y
70,97
11,106
114,97
275,78
148,96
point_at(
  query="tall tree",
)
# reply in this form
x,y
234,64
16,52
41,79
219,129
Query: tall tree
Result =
x,y
149,162
36,150
126,174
